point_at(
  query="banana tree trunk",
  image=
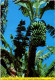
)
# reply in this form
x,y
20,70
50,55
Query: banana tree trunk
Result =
x,y
31,60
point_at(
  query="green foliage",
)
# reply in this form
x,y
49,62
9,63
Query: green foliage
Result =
x,y
50,69
22,72
46,55
4,9
5,43
6,54
3,72
48,6
37,34
51,49
40,69
52,74
37,4
26,8
11,60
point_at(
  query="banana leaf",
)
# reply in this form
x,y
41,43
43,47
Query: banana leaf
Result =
x,y
37,4
48,6
26,8
50,68
5,43
45,56
51,30
7,54
51,49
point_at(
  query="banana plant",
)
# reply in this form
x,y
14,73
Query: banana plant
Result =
x,y
27,6
38,28
4,52
7,57
46,55
40,69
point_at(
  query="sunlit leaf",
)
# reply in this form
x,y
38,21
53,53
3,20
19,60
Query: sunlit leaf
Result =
x,y
37,3
5,43
51,49
50,68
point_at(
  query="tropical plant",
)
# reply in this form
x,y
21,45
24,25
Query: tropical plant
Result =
x,y
40,69
3,72
38,28
20,44
9,60
35,35
6,55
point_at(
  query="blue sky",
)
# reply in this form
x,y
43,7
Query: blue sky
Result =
x,y
14,16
